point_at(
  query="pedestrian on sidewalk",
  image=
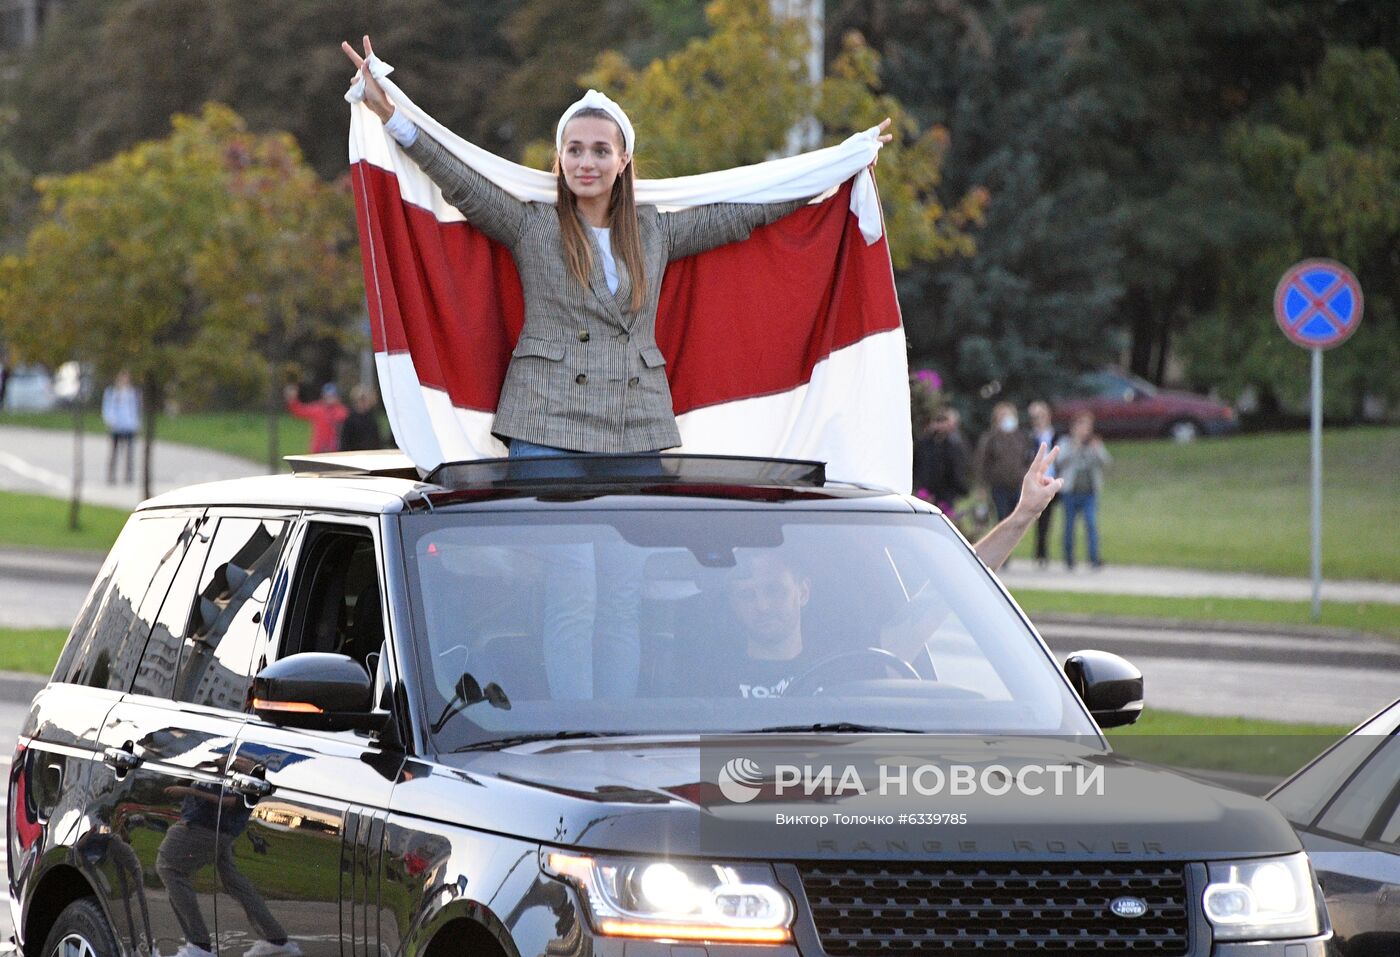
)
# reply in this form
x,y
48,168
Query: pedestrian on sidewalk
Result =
x,y
360,430
1083,459
121,412
1003,453
1043,432
325,416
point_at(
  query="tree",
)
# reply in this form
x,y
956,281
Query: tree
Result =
x,y
730,98
1036,302
108,74
14,178
1172,78
199,251
1324,173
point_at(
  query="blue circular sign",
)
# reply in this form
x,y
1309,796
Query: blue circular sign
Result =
x,y
1318,303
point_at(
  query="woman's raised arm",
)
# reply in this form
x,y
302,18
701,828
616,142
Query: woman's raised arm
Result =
x,y
486,206
698,228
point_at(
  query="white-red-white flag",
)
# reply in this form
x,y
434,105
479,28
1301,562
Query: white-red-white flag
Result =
x,y
787,344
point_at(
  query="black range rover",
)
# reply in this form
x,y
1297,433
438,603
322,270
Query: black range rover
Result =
x,y
511,710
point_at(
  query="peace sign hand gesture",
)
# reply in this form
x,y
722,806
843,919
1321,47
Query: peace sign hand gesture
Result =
x,y
1038,488
883,138
375,97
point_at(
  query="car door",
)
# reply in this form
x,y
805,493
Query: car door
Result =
x,y
82,801
171,737
1355,847
310,820
1346,807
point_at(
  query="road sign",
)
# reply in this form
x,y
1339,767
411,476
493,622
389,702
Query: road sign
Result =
x,y
1318,303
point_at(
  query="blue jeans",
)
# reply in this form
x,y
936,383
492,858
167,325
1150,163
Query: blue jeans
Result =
x,y
592,643
520,449
1088,506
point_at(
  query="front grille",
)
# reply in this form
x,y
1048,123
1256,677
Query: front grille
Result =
x,y
887,908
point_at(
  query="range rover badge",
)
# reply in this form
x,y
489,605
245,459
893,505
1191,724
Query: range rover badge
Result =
x,y
1128,906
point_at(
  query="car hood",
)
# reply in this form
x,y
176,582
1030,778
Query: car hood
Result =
x,y
642,795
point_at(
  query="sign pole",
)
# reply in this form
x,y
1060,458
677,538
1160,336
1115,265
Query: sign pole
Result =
x,y
1316,484
1318,305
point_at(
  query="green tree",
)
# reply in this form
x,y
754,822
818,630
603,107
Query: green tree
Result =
x,y
108,74
1325,171
730,98
1172,78
14,178
1037,301
198,250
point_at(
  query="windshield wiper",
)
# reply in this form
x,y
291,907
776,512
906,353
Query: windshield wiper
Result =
x,y
497,743
833,727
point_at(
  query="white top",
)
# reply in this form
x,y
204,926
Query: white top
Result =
x,y
401,128
604,236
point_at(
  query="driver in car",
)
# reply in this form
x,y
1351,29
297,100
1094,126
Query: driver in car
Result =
x,y
767,595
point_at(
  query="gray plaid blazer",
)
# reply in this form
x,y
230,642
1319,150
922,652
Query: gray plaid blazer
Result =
x,y
586,374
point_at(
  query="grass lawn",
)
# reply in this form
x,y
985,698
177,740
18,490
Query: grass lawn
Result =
x,y
1242,504
43,522
1240,745
1368,617
32,650
237,433
1160,737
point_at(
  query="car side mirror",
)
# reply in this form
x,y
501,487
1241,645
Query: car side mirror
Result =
x,y
1110,686
319,691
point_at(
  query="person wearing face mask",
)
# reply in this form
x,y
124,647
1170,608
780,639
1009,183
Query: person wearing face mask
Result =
x,y
1003,453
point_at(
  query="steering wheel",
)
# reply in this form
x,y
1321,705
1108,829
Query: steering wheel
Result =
x,y
850,666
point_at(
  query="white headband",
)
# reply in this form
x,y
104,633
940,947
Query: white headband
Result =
x,y
593,100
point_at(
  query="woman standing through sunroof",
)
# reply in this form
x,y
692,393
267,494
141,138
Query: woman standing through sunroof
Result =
x,y
586,374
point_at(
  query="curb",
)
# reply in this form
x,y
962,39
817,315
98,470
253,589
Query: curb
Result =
x,y
1317,632
21,687
50,564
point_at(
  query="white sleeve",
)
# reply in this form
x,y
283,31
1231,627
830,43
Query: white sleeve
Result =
x,y
402,129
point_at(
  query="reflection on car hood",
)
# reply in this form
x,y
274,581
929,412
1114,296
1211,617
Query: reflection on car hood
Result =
x,y
645,794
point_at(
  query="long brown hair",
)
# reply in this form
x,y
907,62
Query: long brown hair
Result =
x,y
622,222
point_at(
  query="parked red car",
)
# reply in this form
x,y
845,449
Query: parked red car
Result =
x,y
1125,406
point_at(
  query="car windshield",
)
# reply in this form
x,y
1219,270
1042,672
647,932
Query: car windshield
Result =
x,y
675,621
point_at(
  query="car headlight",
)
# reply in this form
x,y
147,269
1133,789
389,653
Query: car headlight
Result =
x,y
678,900
1261,900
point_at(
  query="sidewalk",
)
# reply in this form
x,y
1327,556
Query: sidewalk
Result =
x,y
40,461
1189,583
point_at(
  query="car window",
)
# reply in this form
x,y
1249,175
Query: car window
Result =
x,y
642,621
156,674
223,628
1302,798
337,606
1354,810
111,632
1390,832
